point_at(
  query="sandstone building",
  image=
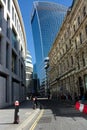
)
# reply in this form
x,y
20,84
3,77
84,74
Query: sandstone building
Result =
x,y
68,55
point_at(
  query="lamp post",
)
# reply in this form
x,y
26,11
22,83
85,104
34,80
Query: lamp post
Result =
x,y
46,61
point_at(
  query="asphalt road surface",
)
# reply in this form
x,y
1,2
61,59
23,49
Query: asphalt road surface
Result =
x,y
59,115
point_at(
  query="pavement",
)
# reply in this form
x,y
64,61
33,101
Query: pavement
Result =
x,y
26,115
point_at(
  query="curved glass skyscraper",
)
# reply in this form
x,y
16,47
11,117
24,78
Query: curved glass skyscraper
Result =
x,y
46,20
29,72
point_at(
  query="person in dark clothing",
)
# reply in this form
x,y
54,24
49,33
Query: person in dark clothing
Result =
x,y
34,102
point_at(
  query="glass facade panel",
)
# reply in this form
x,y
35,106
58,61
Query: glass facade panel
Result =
x,y
8,28
47,18
14,39
14,63
37,40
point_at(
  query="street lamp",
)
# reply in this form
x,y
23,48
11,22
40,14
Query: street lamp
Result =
x,y
46,61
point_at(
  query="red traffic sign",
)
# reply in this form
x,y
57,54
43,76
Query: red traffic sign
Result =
x,y
16,103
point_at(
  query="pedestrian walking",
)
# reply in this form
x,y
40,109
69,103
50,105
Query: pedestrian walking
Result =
x,y
34,102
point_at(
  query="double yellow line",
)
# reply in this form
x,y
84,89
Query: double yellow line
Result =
x,y
37,120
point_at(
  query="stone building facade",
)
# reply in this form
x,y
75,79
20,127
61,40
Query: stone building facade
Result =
x,y
68,55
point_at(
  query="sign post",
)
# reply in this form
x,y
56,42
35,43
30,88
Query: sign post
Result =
x,y
16,114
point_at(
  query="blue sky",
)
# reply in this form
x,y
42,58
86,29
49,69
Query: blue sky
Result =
x,y
26,9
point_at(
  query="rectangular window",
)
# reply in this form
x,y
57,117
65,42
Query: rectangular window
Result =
x,y
85,81
4,91
75,43
14,39
86,29
17,24
84,11
80,38
21,51
14,63
12,13
74,28
19,68
21,71
7,91
78,20
78,63
12,91
71,60
83,58
8,4
1,16
7,55
67,64
5,1
66,47
70,42
8,28
15,19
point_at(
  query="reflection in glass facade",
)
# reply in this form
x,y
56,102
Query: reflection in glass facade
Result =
x,y
46,20
29,71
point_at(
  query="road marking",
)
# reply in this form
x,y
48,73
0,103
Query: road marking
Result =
x,y
25,123
37,120
27,113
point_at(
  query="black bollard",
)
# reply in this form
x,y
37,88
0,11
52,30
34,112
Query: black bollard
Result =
x,y
16,114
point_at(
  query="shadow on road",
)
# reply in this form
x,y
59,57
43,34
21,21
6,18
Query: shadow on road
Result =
x,y
25,105
62,108
5,123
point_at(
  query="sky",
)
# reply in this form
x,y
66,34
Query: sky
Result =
x,y
26,10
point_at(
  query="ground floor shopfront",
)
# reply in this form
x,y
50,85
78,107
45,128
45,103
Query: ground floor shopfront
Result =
x,y
11,89
74,83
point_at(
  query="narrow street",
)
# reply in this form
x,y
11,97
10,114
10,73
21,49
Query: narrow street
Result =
x,y
60,116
